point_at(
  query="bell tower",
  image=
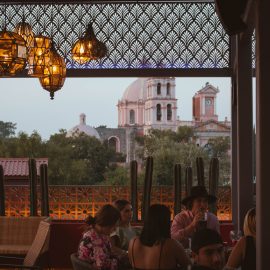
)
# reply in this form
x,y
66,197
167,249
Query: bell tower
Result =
x,y
204,104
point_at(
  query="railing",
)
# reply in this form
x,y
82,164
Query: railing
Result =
x,y
76,202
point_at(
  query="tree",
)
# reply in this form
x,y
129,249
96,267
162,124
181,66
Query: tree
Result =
x,y
7,129
185,134
23,146
116,176
78,160
168,148
220,147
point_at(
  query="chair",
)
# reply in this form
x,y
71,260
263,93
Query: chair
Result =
x,y
79,264
39,246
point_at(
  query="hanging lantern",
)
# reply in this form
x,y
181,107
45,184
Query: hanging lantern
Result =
x,y
25,30
38,56
88,48
54,73
13,53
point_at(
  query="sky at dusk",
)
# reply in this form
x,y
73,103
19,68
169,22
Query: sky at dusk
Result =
x,y
25,103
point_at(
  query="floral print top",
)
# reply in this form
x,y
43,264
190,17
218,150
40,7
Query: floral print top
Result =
x,y
96,249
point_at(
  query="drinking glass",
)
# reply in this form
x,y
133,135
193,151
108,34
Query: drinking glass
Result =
x,y
235,236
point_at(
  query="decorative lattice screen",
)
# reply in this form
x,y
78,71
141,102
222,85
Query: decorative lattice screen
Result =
x,y
166,35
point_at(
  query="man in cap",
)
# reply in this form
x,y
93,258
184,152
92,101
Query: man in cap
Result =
x,y
190,220
207,250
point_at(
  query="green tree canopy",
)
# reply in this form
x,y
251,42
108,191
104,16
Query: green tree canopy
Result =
x,y
169,148
7,129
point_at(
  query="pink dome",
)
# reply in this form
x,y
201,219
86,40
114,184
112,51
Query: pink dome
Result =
x,y
136,90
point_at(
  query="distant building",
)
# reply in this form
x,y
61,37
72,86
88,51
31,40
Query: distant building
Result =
x,y
150,103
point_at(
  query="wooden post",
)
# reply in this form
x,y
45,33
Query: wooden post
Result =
x,y
188,180
213,181
2,192
33,186
177,188
44,190
133,188
200,171
147,187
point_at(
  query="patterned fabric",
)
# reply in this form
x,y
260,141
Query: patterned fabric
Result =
x,y
184,219
96,249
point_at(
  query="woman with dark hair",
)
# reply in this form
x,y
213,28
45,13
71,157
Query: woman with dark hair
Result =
x,y
155,249
95,245
124,232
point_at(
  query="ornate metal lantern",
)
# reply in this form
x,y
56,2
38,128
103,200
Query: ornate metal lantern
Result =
x,y
88,48
54,73
25,30
38,57
13,53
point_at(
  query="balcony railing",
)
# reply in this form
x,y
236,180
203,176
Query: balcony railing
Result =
x,y
76,202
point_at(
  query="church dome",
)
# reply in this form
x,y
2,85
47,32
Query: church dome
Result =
x,y
83,128
135,91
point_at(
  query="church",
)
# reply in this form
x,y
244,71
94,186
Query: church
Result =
x,y
150,103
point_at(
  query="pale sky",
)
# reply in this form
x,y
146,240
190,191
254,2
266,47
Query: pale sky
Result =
x,y
23,101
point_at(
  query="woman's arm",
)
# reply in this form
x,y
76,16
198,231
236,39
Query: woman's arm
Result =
x,y
237,254
130,250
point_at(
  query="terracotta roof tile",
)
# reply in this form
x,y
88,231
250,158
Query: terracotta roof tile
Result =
x,y
19,166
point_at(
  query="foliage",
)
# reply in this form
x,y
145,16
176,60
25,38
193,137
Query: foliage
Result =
x,y
218,146
72,160
116,176
7,129
168,148
23,146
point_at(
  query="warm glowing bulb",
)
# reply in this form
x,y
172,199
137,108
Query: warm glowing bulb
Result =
x,y
55,69
81,48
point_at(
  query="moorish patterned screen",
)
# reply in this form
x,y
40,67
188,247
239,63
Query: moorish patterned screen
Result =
x,y
166,35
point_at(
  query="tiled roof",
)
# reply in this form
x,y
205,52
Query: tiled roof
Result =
x,y
19,166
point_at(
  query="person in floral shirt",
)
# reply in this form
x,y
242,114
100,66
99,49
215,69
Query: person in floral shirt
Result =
x,y
95,245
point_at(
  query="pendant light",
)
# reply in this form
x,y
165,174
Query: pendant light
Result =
x,y
24,29
39,55
13,52
54,73
88,48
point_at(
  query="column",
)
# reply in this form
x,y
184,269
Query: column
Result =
x,y
262,134
244,126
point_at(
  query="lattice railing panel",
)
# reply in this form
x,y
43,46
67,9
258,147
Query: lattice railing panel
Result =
x,y
76,202
165,35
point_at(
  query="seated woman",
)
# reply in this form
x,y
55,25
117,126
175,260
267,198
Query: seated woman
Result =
x,y
188,221
95,245
124,232
155,249
244,252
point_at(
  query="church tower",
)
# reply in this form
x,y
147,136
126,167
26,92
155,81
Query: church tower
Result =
x,y
204,104
160,104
